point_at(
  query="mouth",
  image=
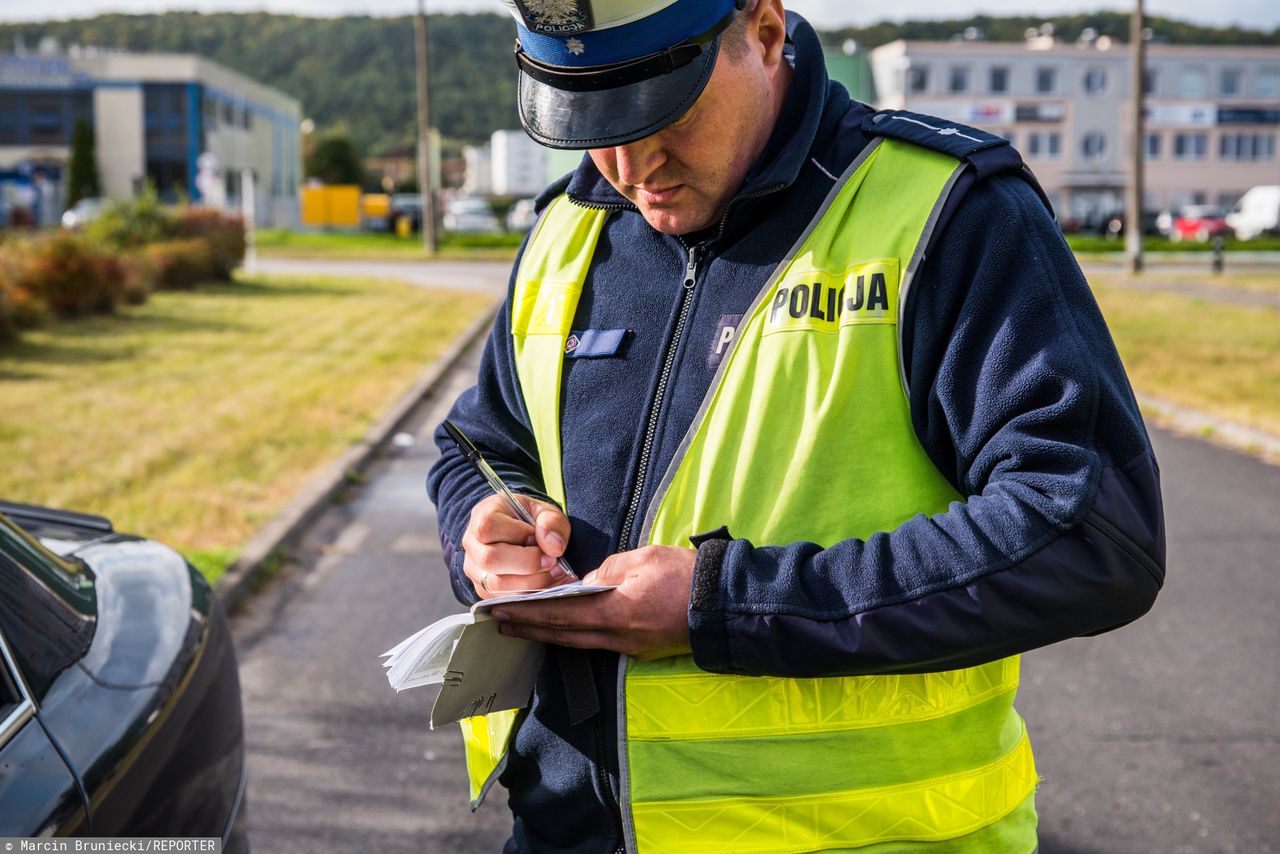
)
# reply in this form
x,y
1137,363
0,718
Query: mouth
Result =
x,y
658,197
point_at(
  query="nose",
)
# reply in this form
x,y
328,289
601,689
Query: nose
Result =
x,y
638,161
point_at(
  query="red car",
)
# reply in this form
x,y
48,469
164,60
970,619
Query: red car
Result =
x,y
1201,223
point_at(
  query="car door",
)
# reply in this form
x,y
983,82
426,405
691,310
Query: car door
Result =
x,y
42,633
38,794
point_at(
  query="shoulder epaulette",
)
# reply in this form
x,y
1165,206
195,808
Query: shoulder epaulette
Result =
x,y
987,153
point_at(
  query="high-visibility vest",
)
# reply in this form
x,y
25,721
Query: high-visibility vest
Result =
x,y
806,435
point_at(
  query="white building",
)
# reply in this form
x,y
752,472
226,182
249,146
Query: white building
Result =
x,y
519,165
1213,113
477,163
153,116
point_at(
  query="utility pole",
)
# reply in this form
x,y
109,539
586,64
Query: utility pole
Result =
x,y
1133,202
424,132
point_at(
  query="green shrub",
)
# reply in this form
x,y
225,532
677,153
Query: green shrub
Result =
x,y
223,232
133,223
66,273
180,264
139,277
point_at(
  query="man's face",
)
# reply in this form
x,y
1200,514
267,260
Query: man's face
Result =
x,y
684,176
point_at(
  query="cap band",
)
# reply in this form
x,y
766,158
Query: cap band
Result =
x,y
619,74
672,25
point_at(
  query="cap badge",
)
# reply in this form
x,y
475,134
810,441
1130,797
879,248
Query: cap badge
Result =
x,y
555,16
576,47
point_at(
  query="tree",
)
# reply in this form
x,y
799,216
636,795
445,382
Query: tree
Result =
x,y
334,159
83,179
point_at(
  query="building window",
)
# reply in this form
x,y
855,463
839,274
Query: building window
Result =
x,y
1044,145
1095,81
1093,145
168,175
998,80
1266,84
10,118
1153,145
248,118
959,81
228,114
210,111
1149,81
46,120
1046,80
1190,146
1247,146
1229,82
1193,83
918,79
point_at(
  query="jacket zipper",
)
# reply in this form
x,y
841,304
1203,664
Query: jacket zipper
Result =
x,y
690,279
691,270
659,396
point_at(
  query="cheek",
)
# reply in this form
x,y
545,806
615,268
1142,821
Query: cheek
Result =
x,y
605,162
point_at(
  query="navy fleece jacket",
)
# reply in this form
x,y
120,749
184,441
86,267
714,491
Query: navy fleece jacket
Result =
x,y
1016,393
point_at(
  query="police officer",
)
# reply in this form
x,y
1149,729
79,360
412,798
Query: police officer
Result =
x,y
824,393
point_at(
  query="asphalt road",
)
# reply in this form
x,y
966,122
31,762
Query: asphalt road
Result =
x,y
1160,737
484,276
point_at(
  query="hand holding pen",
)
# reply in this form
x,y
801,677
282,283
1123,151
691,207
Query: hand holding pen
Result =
x,y
508,548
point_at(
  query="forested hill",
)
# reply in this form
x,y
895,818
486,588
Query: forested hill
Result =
x,y
358,71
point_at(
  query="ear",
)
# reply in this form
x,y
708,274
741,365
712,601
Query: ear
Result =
x,y
770,25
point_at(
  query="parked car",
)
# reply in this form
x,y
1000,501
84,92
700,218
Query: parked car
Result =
x,y
1256,212
119,695
1201,223
469,214
82,213
521,217
409,206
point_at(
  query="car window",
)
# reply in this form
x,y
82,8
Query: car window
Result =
x,y
15,707
47,608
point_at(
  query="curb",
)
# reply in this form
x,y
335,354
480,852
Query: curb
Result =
x,y
263,549
1219,431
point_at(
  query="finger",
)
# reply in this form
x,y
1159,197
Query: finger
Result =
x,y
491,584
563,637
612,572
501,528
502,558
552,530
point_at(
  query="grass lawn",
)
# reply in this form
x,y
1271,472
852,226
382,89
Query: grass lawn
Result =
x,y
1090,244
1220,359
196,417
365,245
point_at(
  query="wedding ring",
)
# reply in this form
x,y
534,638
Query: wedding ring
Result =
x,y
484,582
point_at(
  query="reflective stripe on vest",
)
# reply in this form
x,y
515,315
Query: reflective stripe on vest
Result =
x,y
552,271
805,435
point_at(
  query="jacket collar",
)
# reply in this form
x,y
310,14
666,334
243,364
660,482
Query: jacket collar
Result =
x,y
801,121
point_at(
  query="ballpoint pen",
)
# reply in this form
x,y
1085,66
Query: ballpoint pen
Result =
x,y
479,463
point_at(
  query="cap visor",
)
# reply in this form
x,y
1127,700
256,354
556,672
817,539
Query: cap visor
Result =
x,y
559,118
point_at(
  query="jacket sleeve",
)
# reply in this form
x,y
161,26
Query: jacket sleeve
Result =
x,y
493,416
1019,398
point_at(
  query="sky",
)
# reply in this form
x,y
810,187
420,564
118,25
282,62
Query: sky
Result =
x,y
825,14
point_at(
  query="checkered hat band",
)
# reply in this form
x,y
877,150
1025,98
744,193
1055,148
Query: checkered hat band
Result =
x,y
669,26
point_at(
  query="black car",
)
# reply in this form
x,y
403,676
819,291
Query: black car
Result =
x,y
119,694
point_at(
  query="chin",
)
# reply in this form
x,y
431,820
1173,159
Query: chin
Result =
x,y
671,221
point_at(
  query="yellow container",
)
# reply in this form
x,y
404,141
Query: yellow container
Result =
x,y
331,206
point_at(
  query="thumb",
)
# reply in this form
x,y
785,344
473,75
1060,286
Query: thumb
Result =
x,y
612,572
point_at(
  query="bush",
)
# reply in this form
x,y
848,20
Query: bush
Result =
x,y
223,232
180,264
139,277
128,225
66,273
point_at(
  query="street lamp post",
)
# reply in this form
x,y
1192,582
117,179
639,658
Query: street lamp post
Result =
x,y
1133,203
424,132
